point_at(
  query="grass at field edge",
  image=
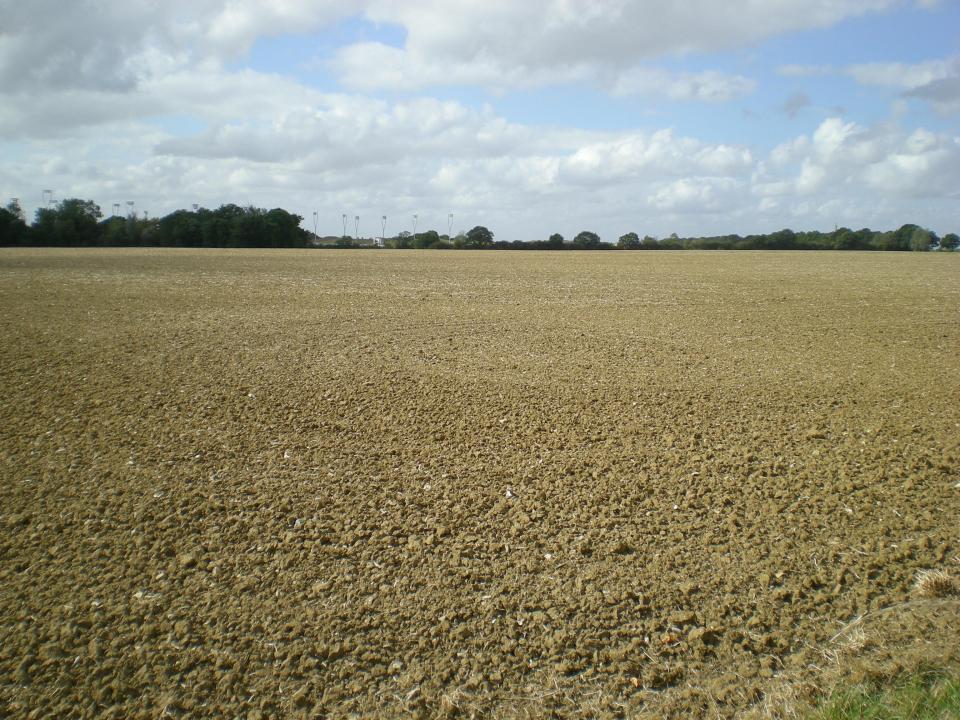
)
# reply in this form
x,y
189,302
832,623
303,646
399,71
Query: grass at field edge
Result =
x,y
930,694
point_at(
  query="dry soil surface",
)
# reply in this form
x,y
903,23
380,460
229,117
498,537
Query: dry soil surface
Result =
x,y
387,483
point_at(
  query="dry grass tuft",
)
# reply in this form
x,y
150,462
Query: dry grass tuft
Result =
x,y
855,643
850,642
787,701
934,584
451,703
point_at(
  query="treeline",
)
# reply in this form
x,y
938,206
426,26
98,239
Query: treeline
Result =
x,y
80,223
907,237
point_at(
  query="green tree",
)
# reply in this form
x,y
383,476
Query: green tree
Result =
x,y
885,241
282,229
921,240
115,231
630,241
71,222
649,243
587,240
181,229
901,238
950,241
555,242
479,237
425,239
13,229
844,239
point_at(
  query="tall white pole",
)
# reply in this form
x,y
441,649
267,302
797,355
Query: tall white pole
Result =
x,y
449,224
415,218
314,224
344,225
356,226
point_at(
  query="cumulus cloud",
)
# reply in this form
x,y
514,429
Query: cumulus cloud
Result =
x,y
696,195
660,154
335,130
845,158
115,46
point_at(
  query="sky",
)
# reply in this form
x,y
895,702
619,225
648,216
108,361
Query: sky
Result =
x,y
530,118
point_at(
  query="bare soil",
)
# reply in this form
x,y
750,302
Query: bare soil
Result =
x,y
392,484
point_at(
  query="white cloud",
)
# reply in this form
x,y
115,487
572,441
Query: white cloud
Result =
x,y
115,47
903,75
845,159
341,130
639,155
695,195
502,44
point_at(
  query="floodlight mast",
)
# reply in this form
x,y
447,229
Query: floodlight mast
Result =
x,y
344,225
383,231
48,196
314,224
116,209
131,212
415,218
356,226
196,207
449,224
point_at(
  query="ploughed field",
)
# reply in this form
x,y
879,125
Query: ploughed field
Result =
x,y
386,483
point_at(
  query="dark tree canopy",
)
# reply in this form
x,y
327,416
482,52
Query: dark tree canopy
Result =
x,y
74,222
479,237
950,241
69,222
587,240
13,228
630,241
426,239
